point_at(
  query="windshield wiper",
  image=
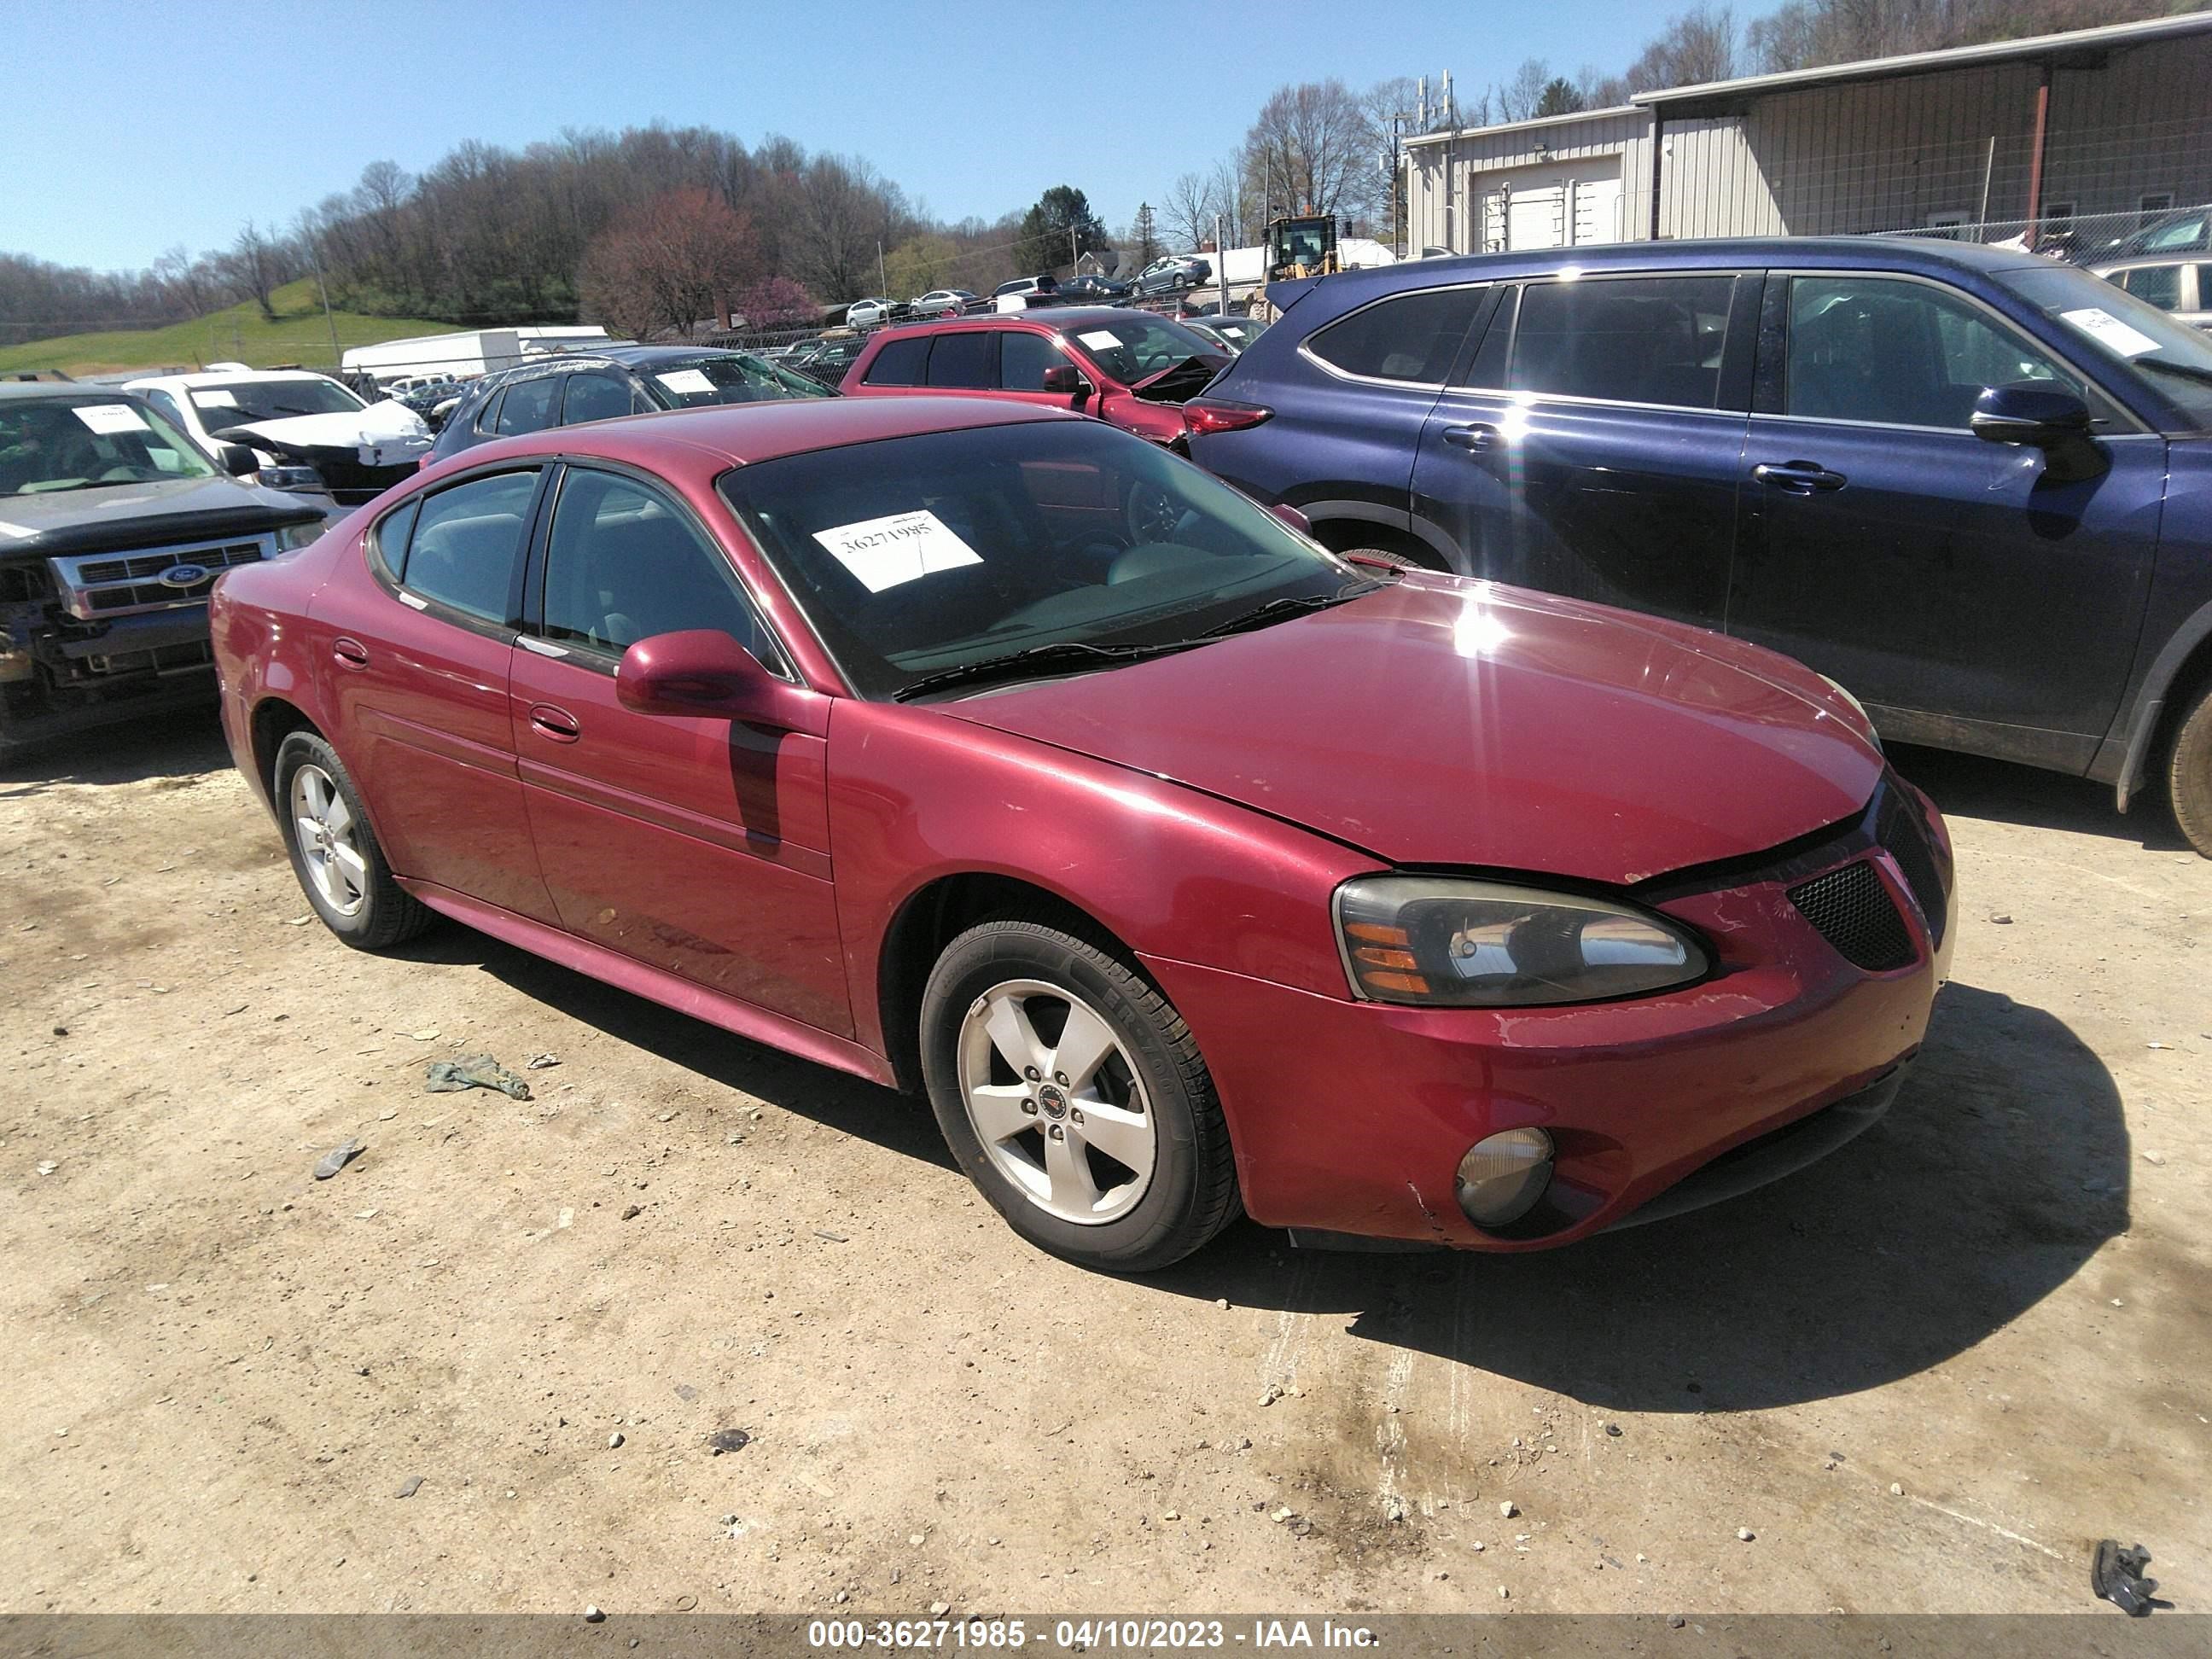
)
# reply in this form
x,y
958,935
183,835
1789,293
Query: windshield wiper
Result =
x,y
2186,371
1014,664
1275,610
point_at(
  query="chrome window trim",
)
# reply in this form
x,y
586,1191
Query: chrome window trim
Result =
x,y
1306,351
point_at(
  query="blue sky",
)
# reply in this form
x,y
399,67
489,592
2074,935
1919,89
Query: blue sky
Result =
x,y
129,128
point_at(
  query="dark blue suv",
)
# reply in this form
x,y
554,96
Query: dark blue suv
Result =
x,y
1973,487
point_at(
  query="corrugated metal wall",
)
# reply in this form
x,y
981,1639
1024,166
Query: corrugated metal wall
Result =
x,y
1875,155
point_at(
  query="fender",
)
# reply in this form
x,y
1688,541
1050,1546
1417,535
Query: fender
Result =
x,y
2140,724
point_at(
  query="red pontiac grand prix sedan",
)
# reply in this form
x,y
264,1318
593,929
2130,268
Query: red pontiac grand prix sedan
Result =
x,y
1189,867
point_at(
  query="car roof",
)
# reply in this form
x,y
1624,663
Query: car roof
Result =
x,y
29,391
227,377
700,444
1044,316
1920,253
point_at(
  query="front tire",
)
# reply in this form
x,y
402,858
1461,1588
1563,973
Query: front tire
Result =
x,y
1074,1097
334,852
2189,773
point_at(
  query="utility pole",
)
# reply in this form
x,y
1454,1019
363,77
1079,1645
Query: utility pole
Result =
x,y
338,356
1221,264
884,282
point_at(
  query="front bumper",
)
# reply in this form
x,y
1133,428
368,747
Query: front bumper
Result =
x,y
1350,1118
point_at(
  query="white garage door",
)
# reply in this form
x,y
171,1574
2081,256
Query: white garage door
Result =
x,y
1597,210
1537,218
1561,204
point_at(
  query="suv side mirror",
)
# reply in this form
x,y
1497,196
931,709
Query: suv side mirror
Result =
x,y
2050,419
700,672
237,459
2040,418
1066,380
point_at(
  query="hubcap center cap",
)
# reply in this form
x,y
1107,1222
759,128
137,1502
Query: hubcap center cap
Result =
x,y
1053,1102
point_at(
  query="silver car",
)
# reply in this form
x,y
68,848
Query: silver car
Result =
x,y
943,303
2179,283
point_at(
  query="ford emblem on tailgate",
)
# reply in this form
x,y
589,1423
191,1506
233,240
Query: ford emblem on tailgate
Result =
x,y
183,575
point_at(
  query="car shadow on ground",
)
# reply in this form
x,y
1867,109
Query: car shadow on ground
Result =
x,y
179,744
1998,1173
836,1100
1976,787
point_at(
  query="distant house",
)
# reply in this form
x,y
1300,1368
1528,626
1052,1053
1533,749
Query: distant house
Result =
x,y
2097,130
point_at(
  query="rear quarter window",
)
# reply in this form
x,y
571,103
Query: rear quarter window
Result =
x,y
899,363
1410,338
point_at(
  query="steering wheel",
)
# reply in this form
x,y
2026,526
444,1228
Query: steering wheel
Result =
x,y
1151,513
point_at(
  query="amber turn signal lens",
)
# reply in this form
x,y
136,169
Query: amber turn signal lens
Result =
x,y
1411,984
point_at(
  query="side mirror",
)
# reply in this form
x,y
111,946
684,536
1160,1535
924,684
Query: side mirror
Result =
x,y
2040,418
1290,516
699,671
2050,419
237,459
1066,380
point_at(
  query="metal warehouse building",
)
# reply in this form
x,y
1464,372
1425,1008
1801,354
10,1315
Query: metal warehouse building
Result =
x,y
2097,130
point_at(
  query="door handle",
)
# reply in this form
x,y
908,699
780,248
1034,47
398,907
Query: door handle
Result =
x,y
1798,477
1473,438
557,724
349,654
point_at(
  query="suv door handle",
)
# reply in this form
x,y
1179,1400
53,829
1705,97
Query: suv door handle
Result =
x,y
1798,477
557,724
1473,438
349,654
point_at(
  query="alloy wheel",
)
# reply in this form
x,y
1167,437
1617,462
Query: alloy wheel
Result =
x,y
1053,1099
325,826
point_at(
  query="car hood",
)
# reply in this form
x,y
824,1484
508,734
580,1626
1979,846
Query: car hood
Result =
x,y
383,435
1450,722
142,514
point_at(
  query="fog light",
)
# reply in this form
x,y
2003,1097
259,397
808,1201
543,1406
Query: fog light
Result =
x,y
1503,1175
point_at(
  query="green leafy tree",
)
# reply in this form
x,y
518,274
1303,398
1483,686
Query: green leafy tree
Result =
x,y
1058,229
919,265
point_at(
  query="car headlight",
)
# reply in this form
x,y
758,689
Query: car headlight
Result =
x,y
289,478
1447,942
298,535
1845,692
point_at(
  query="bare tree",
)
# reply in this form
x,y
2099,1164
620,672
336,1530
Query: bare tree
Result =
x,y
253,266
1696,46
671,263
1314,147
1187,213
1517,99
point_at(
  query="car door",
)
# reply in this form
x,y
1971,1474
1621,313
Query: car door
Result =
x,y
694,845
1589,444
1024,354
416,662
1968,596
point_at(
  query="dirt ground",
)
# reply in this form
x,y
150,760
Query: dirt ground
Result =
x,y
1925,1375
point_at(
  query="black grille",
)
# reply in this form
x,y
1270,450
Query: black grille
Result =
x,y
1904,835
1853,912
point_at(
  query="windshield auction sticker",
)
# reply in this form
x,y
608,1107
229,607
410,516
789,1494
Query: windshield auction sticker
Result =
x,y
105,418
1100,339
2101,325
686,380
902,548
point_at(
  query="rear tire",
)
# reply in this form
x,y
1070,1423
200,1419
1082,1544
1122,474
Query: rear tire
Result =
x,y
2189,773
1073,1095
334,851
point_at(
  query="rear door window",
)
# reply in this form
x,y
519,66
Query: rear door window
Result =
x,y
899,363
528,406
596,397
1411,337
2157,285
1634,339
466,544
966,361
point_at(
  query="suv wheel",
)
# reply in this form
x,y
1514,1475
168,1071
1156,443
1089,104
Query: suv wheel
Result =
x,y
1074,1097
334,852
2189,773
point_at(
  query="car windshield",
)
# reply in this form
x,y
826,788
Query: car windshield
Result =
x,y
240,403
916,556
726,377
1136,347
2169,354
83,443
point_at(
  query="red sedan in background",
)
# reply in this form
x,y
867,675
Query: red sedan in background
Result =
x,y
1187,866
1130,368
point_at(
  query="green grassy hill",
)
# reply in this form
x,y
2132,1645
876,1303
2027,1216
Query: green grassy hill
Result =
x,y
237,334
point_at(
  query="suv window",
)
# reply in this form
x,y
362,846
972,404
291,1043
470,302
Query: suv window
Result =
x,y
2157,285
1411,337
1633,339
528,405
1900,353
623,565
2181,233
596,397
1023,359
967,361
900,362
466,542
